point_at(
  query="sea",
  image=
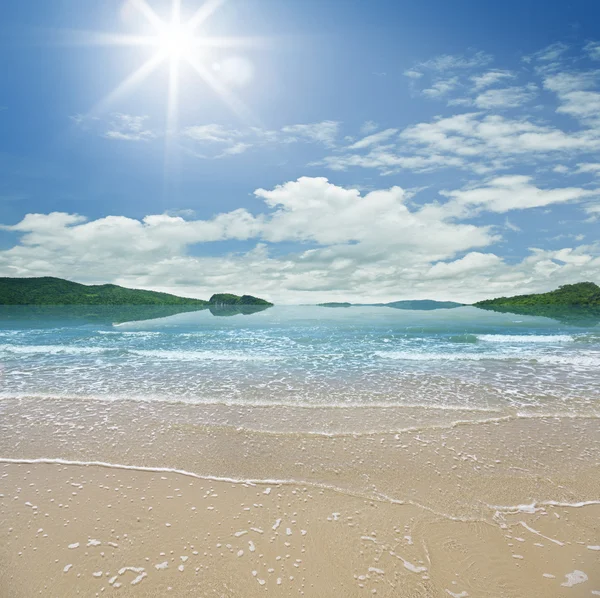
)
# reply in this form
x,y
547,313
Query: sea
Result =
x,y
464,359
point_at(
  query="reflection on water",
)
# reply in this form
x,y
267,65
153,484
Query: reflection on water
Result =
x,y
574,316
50,316
234,310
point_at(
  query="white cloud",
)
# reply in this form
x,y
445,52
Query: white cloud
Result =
x,y
474,134
450,62
388,161
376,245
441,87
374,139
589,167
513,192
235,150
550,53
128,127
490,78
212,133
593,50
470,263
324,132
412,74
508,97
153,252
368,127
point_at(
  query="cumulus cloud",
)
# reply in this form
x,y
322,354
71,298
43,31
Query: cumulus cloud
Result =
x,y
377,245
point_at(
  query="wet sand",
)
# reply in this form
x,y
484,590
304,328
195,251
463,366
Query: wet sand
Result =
x,y
167,499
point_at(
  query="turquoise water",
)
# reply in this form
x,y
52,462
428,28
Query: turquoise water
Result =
x,y
307,356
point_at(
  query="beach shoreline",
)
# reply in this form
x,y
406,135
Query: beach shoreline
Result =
x,y
428,510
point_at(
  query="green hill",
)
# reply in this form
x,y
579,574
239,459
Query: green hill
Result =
x,y
581,294
56,291
574,304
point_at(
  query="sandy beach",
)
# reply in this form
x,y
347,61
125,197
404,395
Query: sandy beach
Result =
x,y
152,500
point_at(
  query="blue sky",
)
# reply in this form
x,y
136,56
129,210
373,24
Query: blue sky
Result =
x,y
319,150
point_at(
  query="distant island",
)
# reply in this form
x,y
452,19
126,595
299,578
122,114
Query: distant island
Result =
x,y
334,304
416,304
57,291
577,304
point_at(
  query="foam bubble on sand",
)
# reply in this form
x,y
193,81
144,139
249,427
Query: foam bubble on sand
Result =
x,y
267,491
123,570
94,543
277,524
181,568
240,533
73,546
184,558
251,546
138,579
463,594
548,575
67,568
574,578
376,570
97,574
407,564
594,547
161,566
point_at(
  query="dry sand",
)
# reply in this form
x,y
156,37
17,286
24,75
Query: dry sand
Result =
x,y
411,504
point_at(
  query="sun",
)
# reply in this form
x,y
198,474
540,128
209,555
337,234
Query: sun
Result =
x,y
174,42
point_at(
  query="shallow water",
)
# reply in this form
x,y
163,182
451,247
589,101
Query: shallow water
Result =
x,y
448,452
305,356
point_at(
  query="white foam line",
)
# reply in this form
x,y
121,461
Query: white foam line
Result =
x,y
286,482
201,402
191,474
537,505
534,531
